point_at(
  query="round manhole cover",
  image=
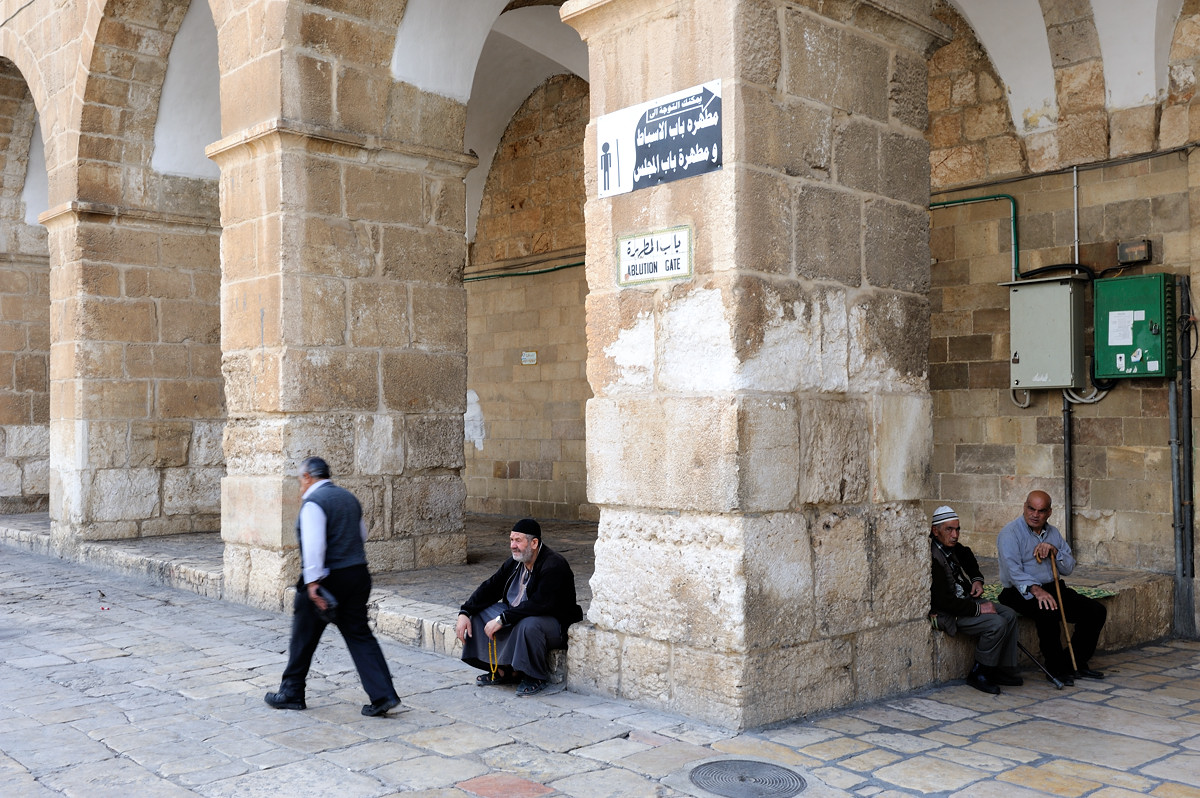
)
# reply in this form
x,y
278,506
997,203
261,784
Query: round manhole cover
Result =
x,y
745,778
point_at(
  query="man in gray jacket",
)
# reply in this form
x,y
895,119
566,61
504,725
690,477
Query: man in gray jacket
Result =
x,y
331,531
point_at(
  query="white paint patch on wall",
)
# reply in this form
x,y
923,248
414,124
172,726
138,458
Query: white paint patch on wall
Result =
x,y
1013,33
189,114
633,355
473,421
697,350
439,41
1126,29
36,191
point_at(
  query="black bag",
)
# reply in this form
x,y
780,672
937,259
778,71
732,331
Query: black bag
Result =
x,y
329,614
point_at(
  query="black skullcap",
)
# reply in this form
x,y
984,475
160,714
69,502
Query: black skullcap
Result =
x,y
527,526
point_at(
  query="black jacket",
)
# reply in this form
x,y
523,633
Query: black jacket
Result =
x,y
943,599
551,591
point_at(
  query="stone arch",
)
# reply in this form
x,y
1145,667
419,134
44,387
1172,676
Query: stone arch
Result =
x,y
525,455
1176,128
140,405
1082,134
24,295
971,134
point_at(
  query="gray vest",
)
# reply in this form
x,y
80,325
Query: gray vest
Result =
x,y
343,535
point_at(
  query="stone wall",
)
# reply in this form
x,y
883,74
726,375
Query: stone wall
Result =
x,y
988,453
525,293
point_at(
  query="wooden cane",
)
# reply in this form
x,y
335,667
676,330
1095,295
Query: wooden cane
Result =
x,y
1062,610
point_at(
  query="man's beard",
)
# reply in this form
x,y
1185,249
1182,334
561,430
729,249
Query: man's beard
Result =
x,y
524,557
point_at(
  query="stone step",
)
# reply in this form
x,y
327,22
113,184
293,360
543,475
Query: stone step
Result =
x,y
1140,612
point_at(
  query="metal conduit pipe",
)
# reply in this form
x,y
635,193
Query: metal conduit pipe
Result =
x,y
1185,549
1012,221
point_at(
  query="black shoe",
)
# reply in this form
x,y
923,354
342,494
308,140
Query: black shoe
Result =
x,y
1088,673
283,700
979,680
1066,678
381,707
1001,676
530,686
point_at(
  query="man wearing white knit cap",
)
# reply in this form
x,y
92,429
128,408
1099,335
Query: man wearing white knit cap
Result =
x,y
957,603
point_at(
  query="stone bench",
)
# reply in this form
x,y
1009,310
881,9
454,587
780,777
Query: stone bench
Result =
x,y
1139,612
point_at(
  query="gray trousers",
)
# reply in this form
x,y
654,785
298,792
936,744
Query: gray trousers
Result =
x,y
997,643
524,648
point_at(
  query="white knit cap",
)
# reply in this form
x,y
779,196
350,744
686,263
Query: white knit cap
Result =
x,y
943,514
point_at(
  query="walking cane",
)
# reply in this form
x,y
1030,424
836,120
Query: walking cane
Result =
x,y
1058,685
1062,610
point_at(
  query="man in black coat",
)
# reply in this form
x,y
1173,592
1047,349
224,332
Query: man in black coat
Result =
x,y
519,613
956,600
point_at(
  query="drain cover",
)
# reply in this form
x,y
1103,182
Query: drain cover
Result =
x,y
745,778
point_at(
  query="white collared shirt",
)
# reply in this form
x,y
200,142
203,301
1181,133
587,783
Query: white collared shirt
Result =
x,y
312,536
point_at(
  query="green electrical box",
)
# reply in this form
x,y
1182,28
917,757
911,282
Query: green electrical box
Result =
x,y
1135,326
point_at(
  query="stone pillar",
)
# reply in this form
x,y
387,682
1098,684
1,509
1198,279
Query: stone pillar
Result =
x,y
343,336
760,434
135,391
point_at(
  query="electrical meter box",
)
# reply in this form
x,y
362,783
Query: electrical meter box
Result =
x,y
1135,326
1046,332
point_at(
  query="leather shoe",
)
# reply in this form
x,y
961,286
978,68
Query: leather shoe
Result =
x,y
1000,676
979,680
1088,673
285,701
381,707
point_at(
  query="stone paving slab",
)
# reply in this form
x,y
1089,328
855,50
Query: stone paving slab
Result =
x,y
112,685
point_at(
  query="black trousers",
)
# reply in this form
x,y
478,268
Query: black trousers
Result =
x,y
351,587
1088,616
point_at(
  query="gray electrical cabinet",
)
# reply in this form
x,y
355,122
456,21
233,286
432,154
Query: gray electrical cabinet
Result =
x,y
1046,318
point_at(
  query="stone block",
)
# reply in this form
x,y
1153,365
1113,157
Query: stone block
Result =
x,y
899,564
814,50
801,680
10,478
424,505
258,577
1131,131
121,494
828,229
955,166
902,437
425,255
26,440
379,314
691,586
707,685
908,91
896,246
646,671
769,441
35,477
433,442
383,195
189,399
379,444
440,549
439,317
621,329
328,379
764,223
794,138
415,382
330,245
394,554
593,659
778,563
888,342
856,146
894,659
841,573
904,164
834,451
188,491
685,450
259,513
157,444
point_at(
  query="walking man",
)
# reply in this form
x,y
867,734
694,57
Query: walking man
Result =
x,y
331,531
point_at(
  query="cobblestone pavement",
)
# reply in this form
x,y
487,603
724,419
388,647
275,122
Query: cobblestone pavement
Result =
x,y
110,686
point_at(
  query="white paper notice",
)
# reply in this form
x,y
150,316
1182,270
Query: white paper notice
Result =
x,y
1120,328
